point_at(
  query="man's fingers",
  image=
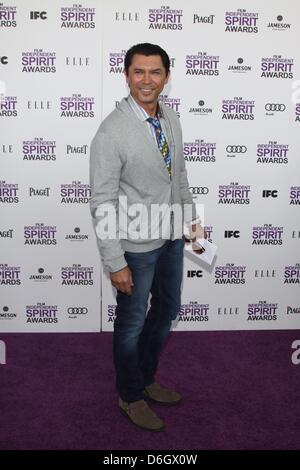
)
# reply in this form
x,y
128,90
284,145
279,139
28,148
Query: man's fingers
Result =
x,y
124,287
122,280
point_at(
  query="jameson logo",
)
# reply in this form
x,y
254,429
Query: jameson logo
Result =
x,y
262,311
77,275
230,274
201,109
238,109
5,314
39,149
8,106
41,313
77,16
292,274
239,68
202,63
295,195
165,18
76,236
10,275
272,152
40,234
40,277
193,312
9,192
75,193
8,16
267,235
241,21
276,67
279,25
116,62
199,151
39,61
234,193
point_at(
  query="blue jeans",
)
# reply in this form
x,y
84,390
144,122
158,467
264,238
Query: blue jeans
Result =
x,y
138,338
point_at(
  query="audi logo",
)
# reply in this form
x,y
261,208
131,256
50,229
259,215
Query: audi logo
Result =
x,y
274,107
198,190
77,310
236,148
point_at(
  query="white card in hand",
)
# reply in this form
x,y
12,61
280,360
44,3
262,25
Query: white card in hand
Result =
x,y
210,249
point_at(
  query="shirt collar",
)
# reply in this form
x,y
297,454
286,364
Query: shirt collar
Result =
x,y
139,110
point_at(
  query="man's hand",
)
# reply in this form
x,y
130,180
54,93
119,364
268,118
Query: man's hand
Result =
x,y
197,231
122,280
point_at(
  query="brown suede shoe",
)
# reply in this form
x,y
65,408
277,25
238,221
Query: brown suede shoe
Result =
x,y
140,414
162,395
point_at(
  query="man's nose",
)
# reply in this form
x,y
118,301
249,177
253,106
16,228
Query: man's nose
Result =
x,y
147,78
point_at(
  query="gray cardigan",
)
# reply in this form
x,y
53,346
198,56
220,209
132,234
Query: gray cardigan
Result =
x,y
125,161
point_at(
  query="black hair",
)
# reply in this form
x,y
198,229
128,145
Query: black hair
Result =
x,y
147,49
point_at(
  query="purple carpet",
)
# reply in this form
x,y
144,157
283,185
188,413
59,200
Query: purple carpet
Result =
x,y
241,391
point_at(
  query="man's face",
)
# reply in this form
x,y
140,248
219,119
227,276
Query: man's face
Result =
x,y
146,78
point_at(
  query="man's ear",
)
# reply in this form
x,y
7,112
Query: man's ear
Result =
x,y
126,76
167,77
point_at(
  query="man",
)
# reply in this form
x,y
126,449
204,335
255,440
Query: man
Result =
x,y
137,153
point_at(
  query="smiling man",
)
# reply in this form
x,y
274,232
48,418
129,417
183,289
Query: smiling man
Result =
x,y
137,153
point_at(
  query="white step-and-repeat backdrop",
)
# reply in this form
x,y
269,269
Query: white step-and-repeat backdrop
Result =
x,y
236,88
